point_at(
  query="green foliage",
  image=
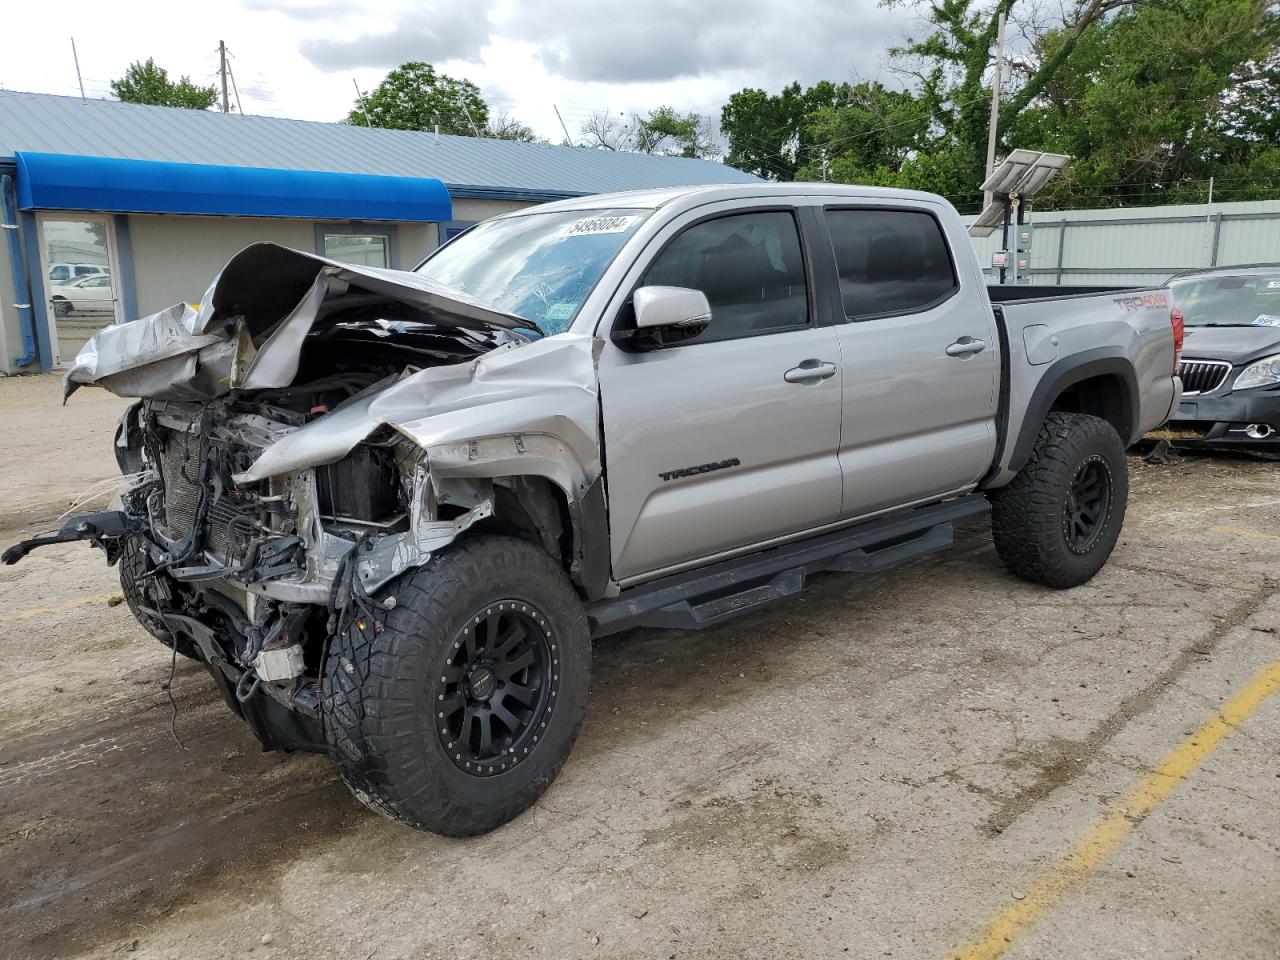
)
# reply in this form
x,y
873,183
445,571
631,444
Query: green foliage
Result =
x,y
768,134
666,132
1161,98
1149,97
865,130
149,84
414,96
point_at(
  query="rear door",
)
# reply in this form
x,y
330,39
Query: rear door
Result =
x,y
921,359
728,440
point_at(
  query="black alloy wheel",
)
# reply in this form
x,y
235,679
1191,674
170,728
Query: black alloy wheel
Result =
x,y
455,709
497,687
1084,514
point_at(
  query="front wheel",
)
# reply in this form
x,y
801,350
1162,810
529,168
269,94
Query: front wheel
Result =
x,y
1058,520
141,591
456,711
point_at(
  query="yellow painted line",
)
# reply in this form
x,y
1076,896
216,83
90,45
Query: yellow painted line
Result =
x,y
1001,932
1242,532
65,605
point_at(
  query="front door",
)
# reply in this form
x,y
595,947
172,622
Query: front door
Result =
x,y
728,440
921,368
80,279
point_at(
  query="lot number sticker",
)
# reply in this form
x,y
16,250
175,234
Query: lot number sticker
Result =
x,y
594,225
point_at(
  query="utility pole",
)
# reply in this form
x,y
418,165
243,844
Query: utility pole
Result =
x,y
76,57
364,107
222,70
995,99
568,140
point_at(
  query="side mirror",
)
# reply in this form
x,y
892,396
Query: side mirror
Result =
x,y
665,316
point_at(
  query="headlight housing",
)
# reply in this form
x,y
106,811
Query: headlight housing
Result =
x,y
1263,373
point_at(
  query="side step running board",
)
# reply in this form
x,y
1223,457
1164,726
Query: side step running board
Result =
x,y
714,594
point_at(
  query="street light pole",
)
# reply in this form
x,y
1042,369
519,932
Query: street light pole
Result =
x,y
995,100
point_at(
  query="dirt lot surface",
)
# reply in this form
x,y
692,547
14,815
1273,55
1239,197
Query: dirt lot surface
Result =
x,y
888,766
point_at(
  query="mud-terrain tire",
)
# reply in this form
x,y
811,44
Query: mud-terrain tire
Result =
x,y
133,564
406,698
1057,522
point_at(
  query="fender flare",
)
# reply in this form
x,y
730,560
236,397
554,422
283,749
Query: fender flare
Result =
x,y
1061,376
547,457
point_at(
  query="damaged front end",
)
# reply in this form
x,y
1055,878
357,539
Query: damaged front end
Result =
x,y
307,435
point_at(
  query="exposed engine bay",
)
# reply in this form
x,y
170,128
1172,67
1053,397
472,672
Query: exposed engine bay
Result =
x,y
289,457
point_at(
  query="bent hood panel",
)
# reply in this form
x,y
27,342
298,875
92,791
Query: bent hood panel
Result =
x,y
269,294
547,387
1234,344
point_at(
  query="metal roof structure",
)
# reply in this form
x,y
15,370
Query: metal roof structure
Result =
x,y
468,166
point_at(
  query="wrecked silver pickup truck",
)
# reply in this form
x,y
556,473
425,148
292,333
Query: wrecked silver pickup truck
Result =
x,y
389,510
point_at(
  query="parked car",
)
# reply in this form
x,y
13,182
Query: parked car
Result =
x,y
390,510
1230,368
66,272
88,295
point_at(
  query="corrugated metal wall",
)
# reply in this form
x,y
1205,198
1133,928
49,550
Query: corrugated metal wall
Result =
x,y
1144,245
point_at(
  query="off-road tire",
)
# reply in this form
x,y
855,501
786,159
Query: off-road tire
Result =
x,y
133,564
1030,517
381,681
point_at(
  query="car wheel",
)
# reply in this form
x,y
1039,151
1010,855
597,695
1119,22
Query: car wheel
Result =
x,y
138,593
61,308
455,709
1057,522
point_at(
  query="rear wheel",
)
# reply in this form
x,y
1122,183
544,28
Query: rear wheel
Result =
x,y
456,711
1057,522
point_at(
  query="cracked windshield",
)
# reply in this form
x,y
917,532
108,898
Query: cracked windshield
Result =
x,y
540,267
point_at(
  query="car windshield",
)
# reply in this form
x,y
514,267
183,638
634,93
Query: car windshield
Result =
x,y
540,266
1241,301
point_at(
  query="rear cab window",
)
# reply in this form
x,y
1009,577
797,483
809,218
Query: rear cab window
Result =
x,y
890,261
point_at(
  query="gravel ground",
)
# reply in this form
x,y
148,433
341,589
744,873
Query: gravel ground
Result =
x,y
877,768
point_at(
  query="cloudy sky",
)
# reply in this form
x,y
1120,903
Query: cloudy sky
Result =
x,y
297,58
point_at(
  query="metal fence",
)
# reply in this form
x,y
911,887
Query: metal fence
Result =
x,y
1144,245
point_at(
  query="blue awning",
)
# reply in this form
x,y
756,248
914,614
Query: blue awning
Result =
x,y
51,181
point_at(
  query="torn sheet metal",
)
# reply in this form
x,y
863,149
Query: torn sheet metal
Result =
x,y
546,388
265,301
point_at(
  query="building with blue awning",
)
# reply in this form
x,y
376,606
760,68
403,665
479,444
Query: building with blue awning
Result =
x,y
112,211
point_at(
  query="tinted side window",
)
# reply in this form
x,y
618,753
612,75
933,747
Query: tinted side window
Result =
x,y
750,267
889,261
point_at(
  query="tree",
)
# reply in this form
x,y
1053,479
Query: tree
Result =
x,y
668,133
414,96
867,133
1160,98
768,133
150,84
503,126
607,131
951,62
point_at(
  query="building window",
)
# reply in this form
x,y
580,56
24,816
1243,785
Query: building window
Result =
x,y
448,229
367,250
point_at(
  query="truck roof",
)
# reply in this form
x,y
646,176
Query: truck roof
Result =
x,y
698,195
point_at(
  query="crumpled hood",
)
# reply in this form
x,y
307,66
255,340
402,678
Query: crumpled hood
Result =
x,y
1236,345
546,388
247,330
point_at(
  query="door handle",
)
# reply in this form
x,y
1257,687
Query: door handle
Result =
x,y
966,347
810,371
